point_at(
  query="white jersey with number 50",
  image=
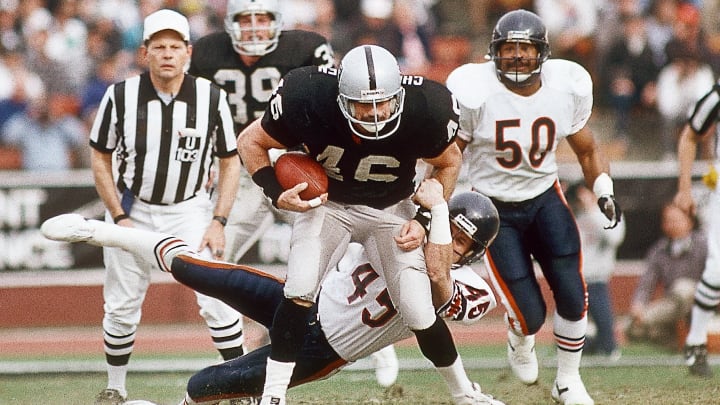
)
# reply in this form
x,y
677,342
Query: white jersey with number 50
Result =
x,y
512,139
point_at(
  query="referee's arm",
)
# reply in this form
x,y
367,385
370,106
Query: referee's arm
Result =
x,y
228,184
104,183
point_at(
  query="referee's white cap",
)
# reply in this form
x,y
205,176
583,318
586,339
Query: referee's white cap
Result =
x,y
166,20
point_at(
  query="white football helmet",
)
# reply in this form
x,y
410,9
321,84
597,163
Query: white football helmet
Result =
x,y
255,45
370,74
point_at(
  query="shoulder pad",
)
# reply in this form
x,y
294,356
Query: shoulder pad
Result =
x,y
472,297
470,83
567,75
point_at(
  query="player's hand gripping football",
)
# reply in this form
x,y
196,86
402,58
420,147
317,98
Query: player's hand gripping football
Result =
x,y
610,209
290,199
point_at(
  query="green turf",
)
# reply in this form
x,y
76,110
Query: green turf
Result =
x,y
610,384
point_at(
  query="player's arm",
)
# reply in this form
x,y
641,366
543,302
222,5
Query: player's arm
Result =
x,y
438,249
105,185
596,171
446,168
687,150
253,145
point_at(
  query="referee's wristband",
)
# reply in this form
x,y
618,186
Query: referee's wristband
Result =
x,y
221,219
265,178
120,217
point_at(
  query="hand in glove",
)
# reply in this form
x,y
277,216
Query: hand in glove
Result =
x,y
610,209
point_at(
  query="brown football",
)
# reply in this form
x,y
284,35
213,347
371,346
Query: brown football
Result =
x,y
293,168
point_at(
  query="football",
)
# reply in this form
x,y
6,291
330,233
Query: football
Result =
x,y
293,168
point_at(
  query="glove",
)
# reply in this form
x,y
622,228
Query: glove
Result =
x,y
610,208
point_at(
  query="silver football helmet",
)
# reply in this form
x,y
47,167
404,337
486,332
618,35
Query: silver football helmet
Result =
x,y
370,74
255,44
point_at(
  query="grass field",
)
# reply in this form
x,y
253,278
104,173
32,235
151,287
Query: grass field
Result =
x,y
642,376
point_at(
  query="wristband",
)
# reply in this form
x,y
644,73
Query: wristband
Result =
x,y
221,219
440,225
603,185
265,178
120,217
423,217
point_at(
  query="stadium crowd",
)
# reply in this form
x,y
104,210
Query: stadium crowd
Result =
x,y
58,56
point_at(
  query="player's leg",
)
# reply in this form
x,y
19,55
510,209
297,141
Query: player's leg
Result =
x,y
243,377
189,220
707,296
555,243
513,276
319,239
409,289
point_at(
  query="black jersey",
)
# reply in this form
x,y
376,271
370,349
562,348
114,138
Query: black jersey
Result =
x,y
377,173
249,87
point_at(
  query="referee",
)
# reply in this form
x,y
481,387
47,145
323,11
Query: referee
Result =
x,y
163,128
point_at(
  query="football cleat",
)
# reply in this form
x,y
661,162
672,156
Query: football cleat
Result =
x,y
571,391
272,400
476,397
244,401
67,228
108,396
386,365
696,360
522,357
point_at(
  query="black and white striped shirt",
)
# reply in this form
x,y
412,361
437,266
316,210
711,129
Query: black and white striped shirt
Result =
x,y
164,152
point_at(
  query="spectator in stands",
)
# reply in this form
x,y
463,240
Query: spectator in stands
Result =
x,y
675,262
18,84
571,26
599,251
49,136
10,37
630,74
375,26
660,26
681,83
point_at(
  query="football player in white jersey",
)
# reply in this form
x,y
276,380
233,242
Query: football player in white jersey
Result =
x,y
354,315
515,110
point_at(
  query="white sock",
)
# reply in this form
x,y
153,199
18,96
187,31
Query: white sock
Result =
x,y
700,318
456,378
146,244
277,378
569,335
116,378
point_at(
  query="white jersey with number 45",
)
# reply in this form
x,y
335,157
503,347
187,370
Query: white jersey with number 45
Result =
x,y
358,317
512,139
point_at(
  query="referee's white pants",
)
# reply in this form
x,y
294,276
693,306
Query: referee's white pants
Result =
x,y
321,236
711,274
127,276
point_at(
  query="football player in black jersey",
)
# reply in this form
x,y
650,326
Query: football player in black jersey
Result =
x,y
247,60
367,124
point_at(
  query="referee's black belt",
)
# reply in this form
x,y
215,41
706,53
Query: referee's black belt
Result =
x,y
122,190
162,203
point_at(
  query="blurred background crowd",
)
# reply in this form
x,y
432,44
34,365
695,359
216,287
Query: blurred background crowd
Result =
x,y
650,59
